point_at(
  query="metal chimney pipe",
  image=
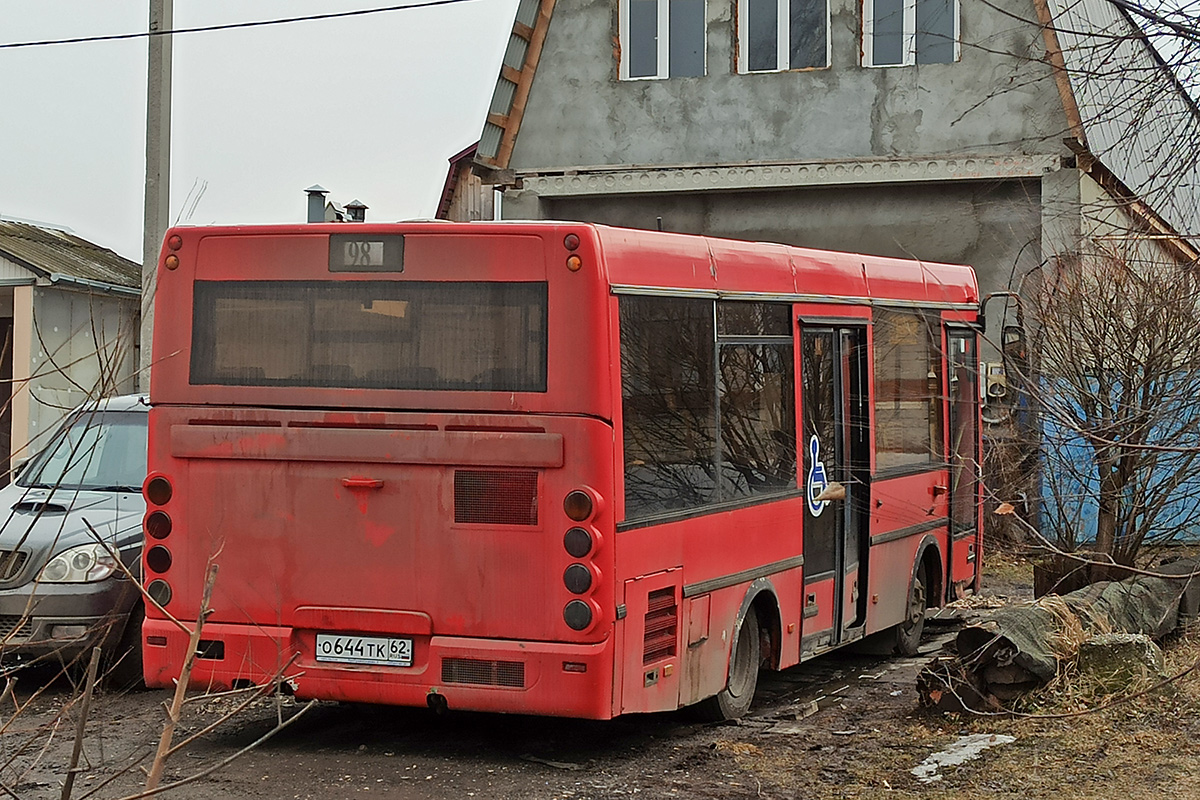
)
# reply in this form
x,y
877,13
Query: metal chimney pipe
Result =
x,y
358,211
316,202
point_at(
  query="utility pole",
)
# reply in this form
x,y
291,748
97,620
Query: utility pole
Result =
x,y
158,170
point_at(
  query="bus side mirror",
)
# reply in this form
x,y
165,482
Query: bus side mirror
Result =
x,y
1012,341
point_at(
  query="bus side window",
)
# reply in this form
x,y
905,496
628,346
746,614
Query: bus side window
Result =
x,y
668,394
908,407
757,399
676,459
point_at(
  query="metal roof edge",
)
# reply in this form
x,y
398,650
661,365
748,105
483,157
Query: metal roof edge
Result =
x,y
39,272
108,288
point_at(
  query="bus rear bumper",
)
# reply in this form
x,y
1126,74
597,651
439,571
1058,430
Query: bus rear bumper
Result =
x,y
550,678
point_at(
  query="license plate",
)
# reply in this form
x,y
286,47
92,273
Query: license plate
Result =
x,y
388,651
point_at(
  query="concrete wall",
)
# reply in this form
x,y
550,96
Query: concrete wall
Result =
x,y
998,98
997,225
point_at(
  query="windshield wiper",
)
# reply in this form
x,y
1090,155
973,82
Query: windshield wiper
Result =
x,y
115,488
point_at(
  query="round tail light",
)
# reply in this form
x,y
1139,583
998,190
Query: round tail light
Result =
x,y
577,615
158,525
578,505
158,558
159,591
578,542
578,578
158,490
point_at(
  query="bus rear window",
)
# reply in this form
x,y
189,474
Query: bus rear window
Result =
x,y
457,336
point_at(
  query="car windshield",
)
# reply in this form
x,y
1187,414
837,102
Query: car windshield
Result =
x,y
96,450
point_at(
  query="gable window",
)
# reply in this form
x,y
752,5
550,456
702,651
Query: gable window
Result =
x,y
662,38
904,32
778,35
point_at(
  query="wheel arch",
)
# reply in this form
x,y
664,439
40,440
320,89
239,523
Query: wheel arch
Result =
x,y
929,555
763,597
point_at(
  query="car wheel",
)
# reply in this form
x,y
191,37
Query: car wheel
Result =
x,y
125,661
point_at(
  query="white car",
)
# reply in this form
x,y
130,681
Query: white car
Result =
x,y
61,590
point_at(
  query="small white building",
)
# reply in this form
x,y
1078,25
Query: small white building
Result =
x,y
69,330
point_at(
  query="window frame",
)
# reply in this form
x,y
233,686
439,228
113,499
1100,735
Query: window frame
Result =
x,y
783,33
909,35
297,303
717,497
663,52
933,453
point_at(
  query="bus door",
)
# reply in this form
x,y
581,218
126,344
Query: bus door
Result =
x,y
836,461
964,460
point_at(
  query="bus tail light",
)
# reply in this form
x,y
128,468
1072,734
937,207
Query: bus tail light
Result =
x,y
159,490
574,263
578,542
578,579
158,559
160,592
578,615
579,505
174,241
157,525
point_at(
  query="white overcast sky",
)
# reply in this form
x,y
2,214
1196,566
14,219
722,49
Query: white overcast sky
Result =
x,y
369,107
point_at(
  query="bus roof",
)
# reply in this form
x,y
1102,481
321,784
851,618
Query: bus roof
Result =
x,y
732,268
636,260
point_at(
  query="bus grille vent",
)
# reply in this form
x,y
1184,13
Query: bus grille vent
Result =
x,y
14,627
496,497
662,618
11,563
484,673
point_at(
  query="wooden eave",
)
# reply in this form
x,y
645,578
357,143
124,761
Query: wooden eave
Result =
x,y
510,123
1152,225
1062,77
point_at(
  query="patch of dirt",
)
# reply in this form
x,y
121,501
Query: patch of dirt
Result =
x,y
841,726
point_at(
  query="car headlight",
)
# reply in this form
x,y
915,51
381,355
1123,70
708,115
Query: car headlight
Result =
x,y
84,564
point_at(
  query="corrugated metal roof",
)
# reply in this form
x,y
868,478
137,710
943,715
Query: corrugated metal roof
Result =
x,y
1135,113
50,252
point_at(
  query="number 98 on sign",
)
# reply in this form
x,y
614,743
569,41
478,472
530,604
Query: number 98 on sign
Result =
x,y
350,252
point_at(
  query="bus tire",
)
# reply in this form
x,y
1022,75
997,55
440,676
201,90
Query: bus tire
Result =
x,y
908,632
745,657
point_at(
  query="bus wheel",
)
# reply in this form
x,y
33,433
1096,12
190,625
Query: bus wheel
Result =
x,y
908,633
734,700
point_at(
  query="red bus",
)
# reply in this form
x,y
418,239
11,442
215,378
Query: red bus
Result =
x,y
550,468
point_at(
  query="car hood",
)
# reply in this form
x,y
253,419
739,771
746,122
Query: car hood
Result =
x,y
44,522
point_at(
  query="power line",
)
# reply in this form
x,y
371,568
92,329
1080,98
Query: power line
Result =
x,y
116,37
